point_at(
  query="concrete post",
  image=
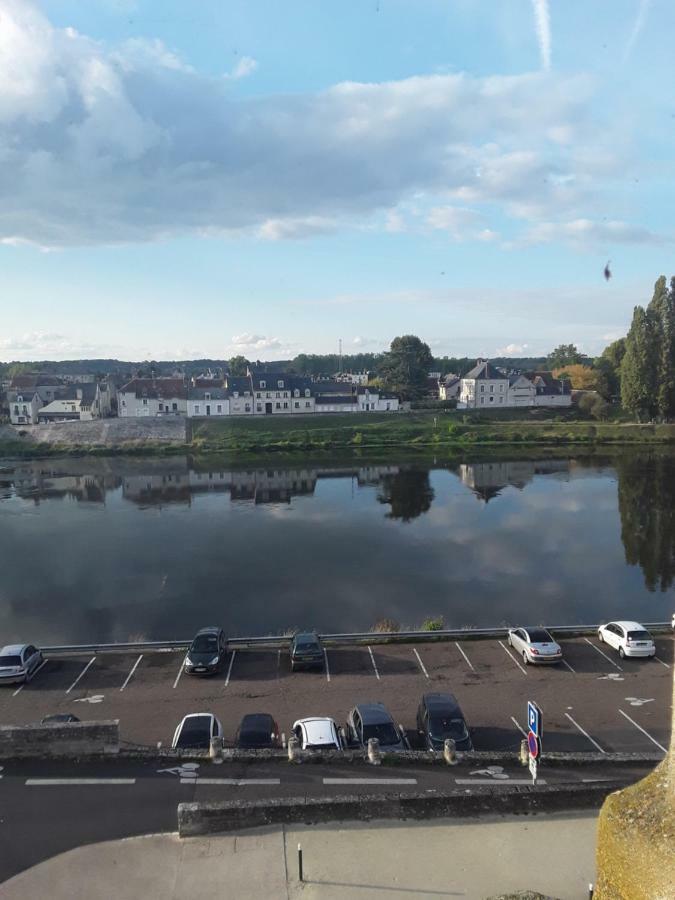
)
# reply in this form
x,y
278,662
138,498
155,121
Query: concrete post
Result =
x,y
374,755
216,750
524,753
294,750
449,752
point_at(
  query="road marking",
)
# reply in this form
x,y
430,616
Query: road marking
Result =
x,y
81,674
128,678
59,782
494,783
510,656
370,781
591,644
229,668
231,782
521,730
656,658
468,661
325,656
21,687
372,659
565,663
426,674
496,772
92,698
639,701
611,676
585,733
180,671
640,728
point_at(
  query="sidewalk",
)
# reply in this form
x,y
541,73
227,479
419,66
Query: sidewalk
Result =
x,y
458,858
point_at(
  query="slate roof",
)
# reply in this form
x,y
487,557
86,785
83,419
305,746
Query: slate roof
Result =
x,y
156,388
27,395
545,383
215,393
32,380
485,370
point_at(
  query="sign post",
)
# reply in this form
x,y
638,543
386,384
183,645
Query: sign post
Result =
x,y
535,724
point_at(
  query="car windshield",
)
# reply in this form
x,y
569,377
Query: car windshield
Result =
x,y
442,727
539,636
9,661
205,643
384,732
639,636
195,732
306,645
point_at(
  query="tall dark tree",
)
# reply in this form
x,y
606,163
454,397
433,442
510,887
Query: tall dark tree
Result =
x,y
238,365
661,310
405,368
638,369
408,492
564,355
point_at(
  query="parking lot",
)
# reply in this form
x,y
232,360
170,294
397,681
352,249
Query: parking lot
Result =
x,y
594,701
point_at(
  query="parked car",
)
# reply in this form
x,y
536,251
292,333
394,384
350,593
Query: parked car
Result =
x,y
535,645
373,720
629,638
317,734
257,731
439,716
18,663
207,652
195,732
59,719
306,651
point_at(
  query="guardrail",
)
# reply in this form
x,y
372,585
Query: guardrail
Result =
x,y
362,637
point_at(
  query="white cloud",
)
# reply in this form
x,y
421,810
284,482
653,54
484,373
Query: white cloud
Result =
x,y
48,345
250,342
542,22
511,350
246,66
585,233
458,221
361,342
295,228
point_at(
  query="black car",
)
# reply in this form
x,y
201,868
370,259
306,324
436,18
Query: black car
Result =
x,y
373,720
207,652
306,652
257,731
439,716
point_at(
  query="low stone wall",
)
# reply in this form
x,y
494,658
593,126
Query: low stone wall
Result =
x,y
58,740
101,432
233,815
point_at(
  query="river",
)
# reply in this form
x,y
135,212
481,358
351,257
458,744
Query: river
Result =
x,y
120,548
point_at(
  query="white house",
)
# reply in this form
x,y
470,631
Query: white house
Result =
x,y
153,397
486,387
448,387
208,401
278,393
23,407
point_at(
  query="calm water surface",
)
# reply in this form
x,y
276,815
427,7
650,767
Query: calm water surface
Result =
x,y
113,549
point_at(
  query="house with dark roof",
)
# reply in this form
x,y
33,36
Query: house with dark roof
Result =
x,y
208,401
487,387
24,405
142,397
448,387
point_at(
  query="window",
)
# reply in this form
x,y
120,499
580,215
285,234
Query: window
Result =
x,y
307,403
124,402
285,405
207,396
263,384
235,394
492,388
257,396
219,408
492,399
482,388
161,407
296,393
174,407
268,395
501,399
145,401
307,393
278,405
501,388
482,399
280,384
258,407
278,395
16,410
247,407
297,405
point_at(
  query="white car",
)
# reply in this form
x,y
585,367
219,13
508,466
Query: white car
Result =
x,y
535,645
18,662
317,734
629,638
195,732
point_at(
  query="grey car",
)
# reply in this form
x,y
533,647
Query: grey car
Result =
x,y
373,720
207,652
535,645
18,663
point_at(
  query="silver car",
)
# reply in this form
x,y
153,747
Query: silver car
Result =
x,y
18,662
535,645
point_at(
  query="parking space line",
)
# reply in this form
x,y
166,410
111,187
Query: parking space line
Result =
x,y
180,671
231,782
591,644
511,657
585,733
325,656
426,674
59,782
128,678
229,668
468,661
22,686
521,730
640,728
370,781
82,673
372,659
565,663
662,662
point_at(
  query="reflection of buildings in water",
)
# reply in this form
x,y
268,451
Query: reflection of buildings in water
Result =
x,y
40,483
488,479
156,490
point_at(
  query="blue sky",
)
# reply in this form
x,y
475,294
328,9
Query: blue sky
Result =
x,y
185,179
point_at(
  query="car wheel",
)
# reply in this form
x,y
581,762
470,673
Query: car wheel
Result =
x,y
508,641
526,658
622,653
600,637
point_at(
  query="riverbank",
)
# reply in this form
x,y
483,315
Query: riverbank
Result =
x,y
416,432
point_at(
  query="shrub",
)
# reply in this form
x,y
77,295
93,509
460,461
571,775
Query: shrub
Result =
x,y
386,625
432,624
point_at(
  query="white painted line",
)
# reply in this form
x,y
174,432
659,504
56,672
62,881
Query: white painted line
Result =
x,y
370,781
585,733
640,728
468,661
229,668
21,687
231,782
616,665
426,674
180,671
491,781
521,730
59,782
372,659
128,678
565,663
657,659
81,674
325,656
594,780
511,657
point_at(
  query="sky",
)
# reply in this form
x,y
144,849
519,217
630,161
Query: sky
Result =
x,y
182,180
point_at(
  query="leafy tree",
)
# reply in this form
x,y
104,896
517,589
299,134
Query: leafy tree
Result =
x,y
564,355
238,365
583,378
609,379
638,369
408,492
405,368
661,310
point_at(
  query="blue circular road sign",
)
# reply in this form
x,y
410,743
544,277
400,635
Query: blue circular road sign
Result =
x,y
533,744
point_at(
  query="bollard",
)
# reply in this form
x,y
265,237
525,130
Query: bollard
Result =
x,y
590,892
216,750
374,755
524,753
300,873
293,750
449,752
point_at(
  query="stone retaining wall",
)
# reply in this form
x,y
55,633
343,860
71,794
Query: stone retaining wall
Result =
x,y
97,432
58,740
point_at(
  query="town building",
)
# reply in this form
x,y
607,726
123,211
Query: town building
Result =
x,y
34,398
23,406
487,387
448,387
153,397
208,401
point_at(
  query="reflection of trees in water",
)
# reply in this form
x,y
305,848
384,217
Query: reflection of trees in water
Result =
x,y
647,509
408,492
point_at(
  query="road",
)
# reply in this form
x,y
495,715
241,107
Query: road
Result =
x,y
594,701
50,807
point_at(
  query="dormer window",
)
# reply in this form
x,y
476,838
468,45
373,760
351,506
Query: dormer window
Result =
x,y
307,392
296,393
280,384
207,396
263,384
235,394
